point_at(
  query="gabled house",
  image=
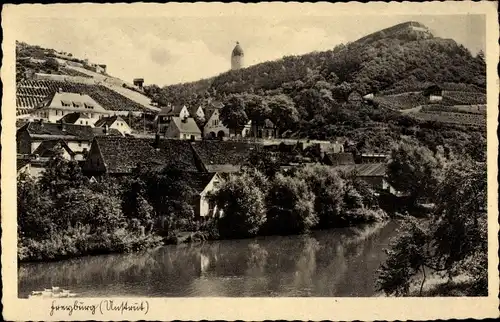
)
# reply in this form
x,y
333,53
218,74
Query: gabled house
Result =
x,y
222,156
197,112
114,122
76,137
48,149
375,174
77,118
202,184
266,130
183,128
30,166
167,113
60,103
214,129
119,156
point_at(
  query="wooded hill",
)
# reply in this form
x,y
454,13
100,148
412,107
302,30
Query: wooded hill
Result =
x,y
398,59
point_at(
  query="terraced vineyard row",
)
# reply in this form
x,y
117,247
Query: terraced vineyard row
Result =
x,y
465,98
401,101
471,109
451,117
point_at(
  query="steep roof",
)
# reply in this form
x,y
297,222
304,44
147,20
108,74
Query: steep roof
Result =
x,y
198,181
123,154
72,118
21,163
187,125
108,121
338,159
366,169
221,156
64,131
71,101
171,110
47,148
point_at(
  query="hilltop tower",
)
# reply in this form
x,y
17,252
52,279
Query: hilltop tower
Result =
x,y
237,57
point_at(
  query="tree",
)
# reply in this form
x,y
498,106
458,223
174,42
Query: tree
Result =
x,y
51,64
233,114
265,162
290,206
34,209
61,174
452,243
328,188
242,203
416,171
283,111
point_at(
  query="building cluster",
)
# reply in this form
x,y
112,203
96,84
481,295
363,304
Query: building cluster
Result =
x,y
88,124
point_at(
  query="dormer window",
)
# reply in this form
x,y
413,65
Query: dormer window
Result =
x,y
87,105
65,103
77,104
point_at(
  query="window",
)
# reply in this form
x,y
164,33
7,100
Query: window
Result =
x,y
86,122
79,143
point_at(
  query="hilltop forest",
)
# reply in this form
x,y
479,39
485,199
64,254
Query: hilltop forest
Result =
x,y
312,90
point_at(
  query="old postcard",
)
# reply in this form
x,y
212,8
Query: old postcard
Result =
x,y
209,161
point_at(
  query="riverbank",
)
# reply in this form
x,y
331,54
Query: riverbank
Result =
x,y
75,243
333,262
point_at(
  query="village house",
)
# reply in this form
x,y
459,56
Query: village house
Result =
x,y
76,137
167,113
60,103
119,156
77,118
202,184
49,148
266,131
183,128
31,166
214,129
375,174
197,112
114,122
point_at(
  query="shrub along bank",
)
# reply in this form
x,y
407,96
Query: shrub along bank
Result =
x,y
65,215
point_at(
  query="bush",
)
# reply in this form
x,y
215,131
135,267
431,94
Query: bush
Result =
x,y
290,206
242,206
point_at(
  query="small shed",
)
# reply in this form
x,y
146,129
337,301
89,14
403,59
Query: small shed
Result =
x,y
434,93
355,98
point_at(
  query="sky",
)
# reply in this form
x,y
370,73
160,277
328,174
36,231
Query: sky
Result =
x,y
169,50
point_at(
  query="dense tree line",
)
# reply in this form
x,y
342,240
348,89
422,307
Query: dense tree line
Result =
x,y
450,245
293,202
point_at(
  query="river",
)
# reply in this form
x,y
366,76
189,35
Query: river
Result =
x,y
337,262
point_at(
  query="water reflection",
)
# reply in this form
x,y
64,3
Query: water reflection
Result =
x,y
340,262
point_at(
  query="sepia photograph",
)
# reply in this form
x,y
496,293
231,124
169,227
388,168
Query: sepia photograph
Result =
x,y
214,151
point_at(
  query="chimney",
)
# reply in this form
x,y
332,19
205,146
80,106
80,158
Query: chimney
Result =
x,y
60,90
157,140
62,125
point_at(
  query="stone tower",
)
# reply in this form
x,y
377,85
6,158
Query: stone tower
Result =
x,y
237,57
